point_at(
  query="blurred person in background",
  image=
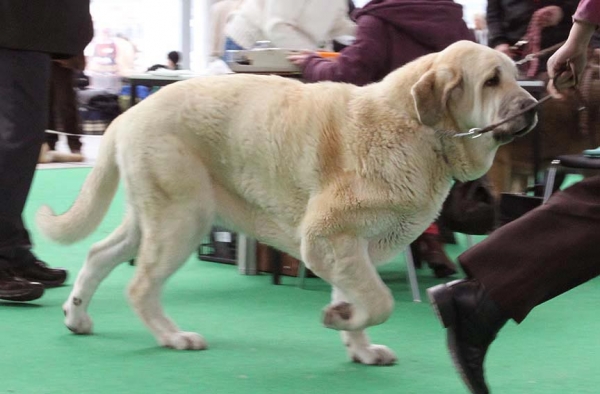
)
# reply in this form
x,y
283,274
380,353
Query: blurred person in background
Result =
x,y
220,13
63,108
539,24
173,59
288,24
26,54
125,56
480,29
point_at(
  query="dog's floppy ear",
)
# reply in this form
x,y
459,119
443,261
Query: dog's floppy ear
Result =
x,y
431,93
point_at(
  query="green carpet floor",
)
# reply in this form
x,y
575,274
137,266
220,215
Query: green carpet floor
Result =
x,y
265,338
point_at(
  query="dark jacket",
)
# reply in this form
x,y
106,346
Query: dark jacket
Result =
x,y
508,20
60,27
390,34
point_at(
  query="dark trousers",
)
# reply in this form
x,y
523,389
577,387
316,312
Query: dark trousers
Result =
x,y
24,79
543,254
62,106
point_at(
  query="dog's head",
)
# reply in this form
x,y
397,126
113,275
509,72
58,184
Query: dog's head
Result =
x,y
473,86
467,86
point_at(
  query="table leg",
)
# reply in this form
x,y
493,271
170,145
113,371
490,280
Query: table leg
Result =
x,y
133,95
246,255
276,263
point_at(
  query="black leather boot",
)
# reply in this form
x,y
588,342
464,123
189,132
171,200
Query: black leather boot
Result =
x,y
16,289
472,321
27,266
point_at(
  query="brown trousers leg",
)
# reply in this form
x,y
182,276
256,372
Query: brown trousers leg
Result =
x,y
545,253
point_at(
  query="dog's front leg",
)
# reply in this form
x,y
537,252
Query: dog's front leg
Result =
x,y
358,345
360,298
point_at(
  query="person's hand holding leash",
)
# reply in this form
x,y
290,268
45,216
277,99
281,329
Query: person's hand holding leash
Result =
x,y
566,66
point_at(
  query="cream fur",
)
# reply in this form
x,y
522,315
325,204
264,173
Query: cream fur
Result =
x,y
343,177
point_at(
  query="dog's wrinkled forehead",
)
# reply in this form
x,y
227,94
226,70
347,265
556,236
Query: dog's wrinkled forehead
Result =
x,y
476,60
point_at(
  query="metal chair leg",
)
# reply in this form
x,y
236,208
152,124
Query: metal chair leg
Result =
x,y
301,274
550,180
412,275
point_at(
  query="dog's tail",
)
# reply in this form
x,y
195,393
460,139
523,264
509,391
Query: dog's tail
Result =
x,y
93,201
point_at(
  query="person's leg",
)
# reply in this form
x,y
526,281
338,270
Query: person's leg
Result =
x,y
23,109
429,248
24,78
545,253
66,105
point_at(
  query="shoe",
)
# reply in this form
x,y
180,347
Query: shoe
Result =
x,y
430,249
472,321
30,268
17,289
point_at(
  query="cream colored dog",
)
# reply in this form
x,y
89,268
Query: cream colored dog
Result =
x,y
342,177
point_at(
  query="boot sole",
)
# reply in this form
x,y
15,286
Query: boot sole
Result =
x,y
23,296
441,300
47,283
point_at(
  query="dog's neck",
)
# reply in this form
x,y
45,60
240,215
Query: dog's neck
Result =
x,y
467,158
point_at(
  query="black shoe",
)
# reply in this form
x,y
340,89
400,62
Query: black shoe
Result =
x,y
17,289
472,320
30,268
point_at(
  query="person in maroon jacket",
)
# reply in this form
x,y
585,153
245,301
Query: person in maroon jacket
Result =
x,y
391,33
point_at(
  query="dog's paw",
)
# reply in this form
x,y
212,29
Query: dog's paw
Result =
x,y
184,341
372,355
78,321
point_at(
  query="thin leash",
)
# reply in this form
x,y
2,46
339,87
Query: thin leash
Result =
x,y
72,135
531,56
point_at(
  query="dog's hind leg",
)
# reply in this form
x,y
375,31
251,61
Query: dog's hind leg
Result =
x,y
358,345
102,258
168,239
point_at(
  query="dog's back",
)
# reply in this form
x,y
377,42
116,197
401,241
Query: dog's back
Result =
x,y
264,139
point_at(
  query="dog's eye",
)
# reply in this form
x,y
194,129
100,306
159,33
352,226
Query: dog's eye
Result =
x,y
494,81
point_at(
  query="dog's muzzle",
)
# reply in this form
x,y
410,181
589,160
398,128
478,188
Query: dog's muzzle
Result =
x,y
518,119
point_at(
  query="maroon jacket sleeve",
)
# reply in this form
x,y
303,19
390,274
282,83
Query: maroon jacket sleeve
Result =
x,y
360,63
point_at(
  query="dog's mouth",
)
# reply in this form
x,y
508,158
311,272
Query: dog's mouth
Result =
x,y
523,131
521,116
523,125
